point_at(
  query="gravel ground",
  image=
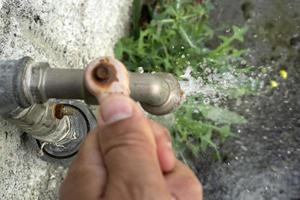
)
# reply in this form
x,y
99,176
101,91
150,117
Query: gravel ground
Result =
x,y
263,161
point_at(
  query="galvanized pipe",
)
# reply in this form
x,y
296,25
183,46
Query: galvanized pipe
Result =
x,y
64,84
11,85
152,90
67,84
30,93
149,89
24,83
39,120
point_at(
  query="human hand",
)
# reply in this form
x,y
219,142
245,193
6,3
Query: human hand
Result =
x,y
128,157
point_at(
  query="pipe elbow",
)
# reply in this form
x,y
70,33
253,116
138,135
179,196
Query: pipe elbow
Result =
x,y
168,88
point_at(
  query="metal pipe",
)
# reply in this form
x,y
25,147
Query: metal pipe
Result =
x,y
64,84
24,82
149,89
11,85
158,93
40,122
29,94
58,126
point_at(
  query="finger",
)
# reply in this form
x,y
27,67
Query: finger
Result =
x,y
129,150
86,176
165,151
89,153
183,183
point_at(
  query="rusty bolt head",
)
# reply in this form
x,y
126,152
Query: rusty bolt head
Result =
x,y
61,110
104,73
105,76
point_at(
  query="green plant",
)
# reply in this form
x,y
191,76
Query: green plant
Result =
x,y
175,34
197,123
178,37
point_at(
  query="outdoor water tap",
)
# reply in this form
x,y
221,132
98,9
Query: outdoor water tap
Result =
x,y
25,82
47,102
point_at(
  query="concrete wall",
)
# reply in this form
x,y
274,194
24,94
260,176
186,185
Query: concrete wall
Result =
x,y
66,33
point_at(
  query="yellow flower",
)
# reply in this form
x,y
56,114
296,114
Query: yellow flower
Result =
x,y
274,84
283,73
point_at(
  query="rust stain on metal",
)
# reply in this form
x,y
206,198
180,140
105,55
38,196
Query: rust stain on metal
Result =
x,y
104,74
58,113
61,110
181,93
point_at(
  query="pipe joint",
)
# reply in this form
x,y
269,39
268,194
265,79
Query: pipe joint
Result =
x,y
41,100
158,93
34,80
174,95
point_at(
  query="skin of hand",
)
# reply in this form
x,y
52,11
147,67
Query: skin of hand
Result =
x,y
128,157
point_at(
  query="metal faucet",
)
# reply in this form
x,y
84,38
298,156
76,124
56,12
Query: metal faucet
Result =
x,y
47,103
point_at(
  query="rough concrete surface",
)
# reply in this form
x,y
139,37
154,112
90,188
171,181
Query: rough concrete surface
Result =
x,y
68,34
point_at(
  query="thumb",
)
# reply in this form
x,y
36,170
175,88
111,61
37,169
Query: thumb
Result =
x,y
129,152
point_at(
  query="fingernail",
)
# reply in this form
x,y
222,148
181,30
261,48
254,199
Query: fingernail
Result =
x,y
115,108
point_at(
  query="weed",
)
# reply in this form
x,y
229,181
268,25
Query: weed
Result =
x,y
178,38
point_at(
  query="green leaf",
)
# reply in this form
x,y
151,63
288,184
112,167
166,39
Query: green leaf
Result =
x,y
221,116
179,35
238,33
225,132
118,50
136,16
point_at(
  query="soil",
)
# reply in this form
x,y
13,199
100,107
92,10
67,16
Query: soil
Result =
x,y
263,161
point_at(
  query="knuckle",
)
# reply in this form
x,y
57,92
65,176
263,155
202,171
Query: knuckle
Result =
x,y
193,186
191,183
161,131
127,136
122,142
166,133
124,130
